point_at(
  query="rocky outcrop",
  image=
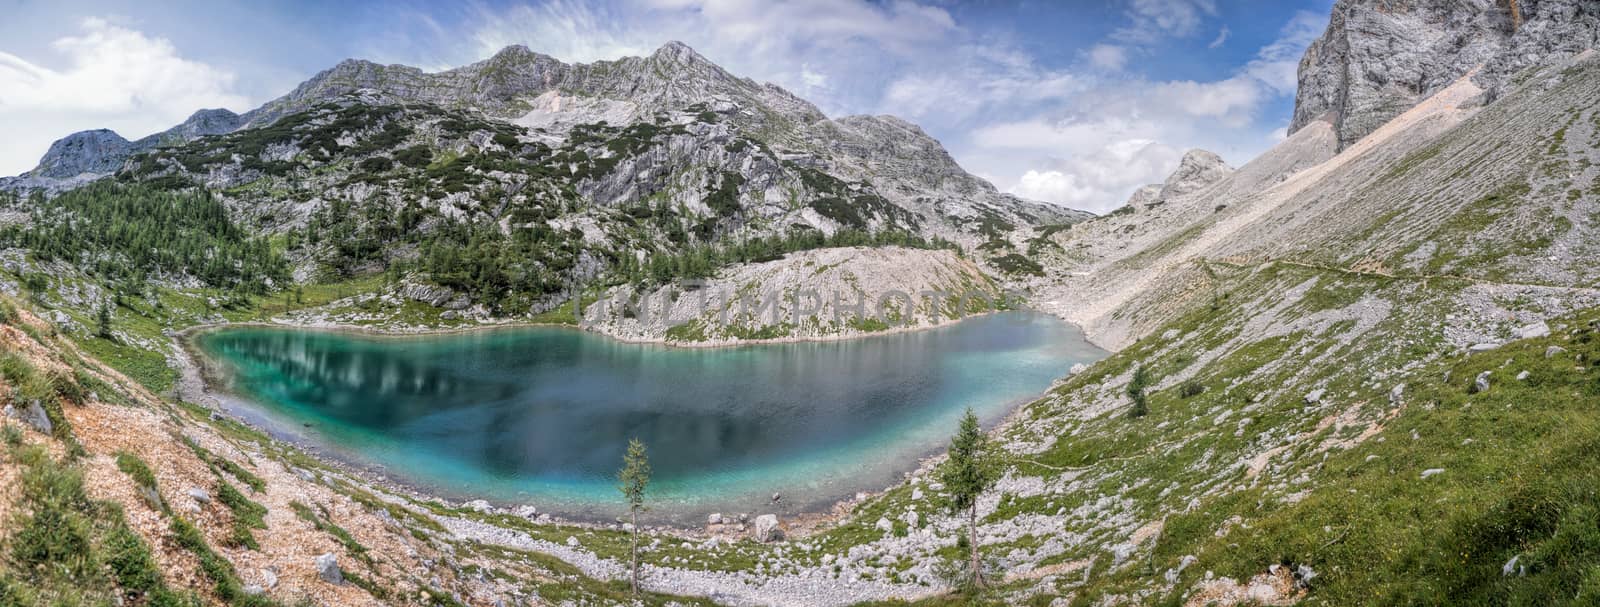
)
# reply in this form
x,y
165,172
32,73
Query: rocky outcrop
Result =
x,y
1198,169
818,294
99,151
1378,58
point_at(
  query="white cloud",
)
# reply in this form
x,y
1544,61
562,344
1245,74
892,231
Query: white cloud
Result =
x,y
1151,20
115,77
1086,181
1221,39
1108,57
1116,134
1276,64
974,81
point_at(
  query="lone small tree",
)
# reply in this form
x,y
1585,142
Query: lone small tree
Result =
x,y
1136,388
103,321
634,477
973,467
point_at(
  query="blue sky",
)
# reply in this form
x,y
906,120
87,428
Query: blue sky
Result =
x,y
1074,102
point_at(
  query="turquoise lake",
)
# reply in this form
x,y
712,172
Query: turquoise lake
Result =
x,y
542,415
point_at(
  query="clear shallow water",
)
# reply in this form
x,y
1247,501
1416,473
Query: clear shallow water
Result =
x,y
542,415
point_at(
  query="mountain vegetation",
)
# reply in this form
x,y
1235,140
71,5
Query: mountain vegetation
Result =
x,y
1357,369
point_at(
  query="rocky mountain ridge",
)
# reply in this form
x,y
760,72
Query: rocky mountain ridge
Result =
x,y
1370,363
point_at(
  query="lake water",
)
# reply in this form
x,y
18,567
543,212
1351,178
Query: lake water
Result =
x,y
542,415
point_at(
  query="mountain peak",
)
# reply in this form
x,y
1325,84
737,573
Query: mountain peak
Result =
x,y
678,52
1198,169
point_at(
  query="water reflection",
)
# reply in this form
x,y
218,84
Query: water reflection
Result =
x,y
557,406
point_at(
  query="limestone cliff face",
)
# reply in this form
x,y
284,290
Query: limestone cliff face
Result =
x,y
1378,58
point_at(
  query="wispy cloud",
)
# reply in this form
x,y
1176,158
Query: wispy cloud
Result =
x,y
1151,20
1119,133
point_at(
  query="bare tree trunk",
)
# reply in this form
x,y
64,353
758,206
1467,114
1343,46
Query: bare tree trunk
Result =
x,y
972,542
635,554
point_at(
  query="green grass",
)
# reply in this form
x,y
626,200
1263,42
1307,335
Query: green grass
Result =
x,y
135,468
224,579
247,515
67,549
326,526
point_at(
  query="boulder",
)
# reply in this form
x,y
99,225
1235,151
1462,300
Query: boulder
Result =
x,y
1538,329
199,495
33,415
1432,472
714,519
1315,396
1553,350
1483,347
328,569
528,512
480,506
1480,383
767,528
1397,393
885,525
1077,368
911,518
1522,376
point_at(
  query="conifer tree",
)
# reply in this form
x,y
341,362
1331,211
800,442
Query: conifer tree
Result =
x,y
1136,388
634,477
973,467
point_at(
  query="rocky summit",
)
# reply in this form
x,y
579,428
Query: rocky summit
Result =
x,y
1358,368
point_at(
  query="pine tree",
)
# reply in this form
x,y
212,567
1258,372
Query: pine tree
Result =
x,y
1136,388
973,467
634,477
103,321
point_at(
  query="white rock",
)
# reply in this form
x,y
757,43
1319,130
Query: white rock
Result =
x,y
885,525
572,541
766,528
1522,376
1480,383
1315,396
1483,347
480,506
199,495
1431,472
714,519
1538,329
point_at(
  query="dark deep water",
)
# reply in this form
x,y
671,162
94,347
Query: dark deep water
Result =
x,y
542,415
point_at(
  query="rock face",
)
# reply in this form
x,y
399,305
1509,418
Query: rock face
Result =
x,y
814,294
1198,169
100,151
1378,58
